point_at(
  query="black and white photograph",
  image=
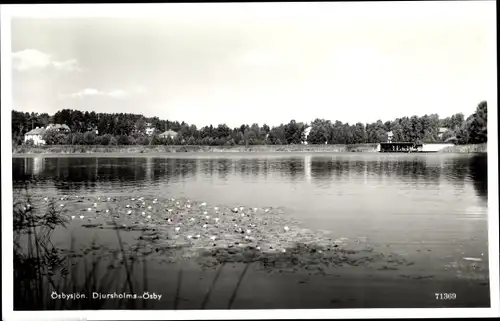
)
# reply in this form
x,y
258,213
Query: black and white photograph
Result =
x,y
249,160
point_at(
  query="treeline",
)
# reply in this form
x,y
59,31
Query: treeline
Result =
x,y
130,129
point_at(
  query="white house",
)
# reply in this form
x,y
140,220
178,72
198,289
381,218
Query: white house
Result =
x,y
36,136
390,136
441,131
168,133
306,134
149,129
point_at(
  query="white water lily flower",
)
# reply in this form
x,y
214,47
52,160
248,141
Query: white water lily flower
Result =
x,y
192,219
149,216
283,250
62,205
258,248
255,209
72,217
205,213
45,199
188,206
207,217
143,213
129,212
95,204
242,215
248,231
149,207
169,220
203,204
216,208
89,209
133,199
107,211
205,225
198,236
177,229
286,228
82,217
127,206
216,219
266,210
189,236
213,238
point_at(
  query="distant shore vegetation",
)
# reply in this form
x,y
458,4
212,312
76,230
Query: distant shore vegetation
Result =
x,y
90,128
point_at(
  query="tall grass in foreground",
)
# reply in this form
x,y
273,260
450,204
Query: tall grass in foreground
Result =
x,y
41,269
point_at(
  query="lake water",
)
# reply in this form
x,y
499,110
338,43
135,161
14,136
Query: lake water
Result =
x,y
387,197
430,207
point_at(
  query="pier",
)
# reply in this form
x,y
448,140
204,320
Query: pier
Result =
x,y
400,147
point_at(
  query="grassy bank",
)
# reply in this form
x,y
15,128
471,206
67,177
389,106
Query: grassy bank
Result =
x,y
141,149
472,148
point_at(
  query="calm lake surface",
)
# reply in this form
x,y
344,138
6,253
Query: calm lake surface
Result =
x,y
431,208
389,198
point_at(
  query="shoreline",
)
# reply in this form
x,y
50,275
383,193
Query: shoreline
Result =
x,y
134,150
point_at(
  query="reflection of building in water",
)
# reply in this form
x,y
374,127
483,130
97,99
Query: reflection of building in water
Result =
x,y
307,167
33,166
149,169
27,165
365,172
96,178
38,163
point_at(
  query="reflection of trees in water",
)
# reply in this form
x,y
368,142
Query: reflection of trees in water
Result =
x,y
88,173
479,173
324,169
223,167
207,166
292,168
456,170
244,166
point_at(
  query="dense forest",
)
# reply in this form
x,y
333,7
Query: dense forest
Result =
x,y
129,129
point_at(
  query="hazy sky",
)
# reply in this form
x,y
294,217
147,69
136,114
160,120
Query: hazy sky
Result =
x,y
265,63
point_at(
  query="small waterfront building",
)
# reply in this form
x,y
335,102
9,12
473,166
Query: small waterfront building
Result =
x,y
399,147
169,133
35,135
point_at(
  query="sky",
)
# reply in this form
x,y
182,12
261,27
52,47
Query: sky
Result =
x,y
260,63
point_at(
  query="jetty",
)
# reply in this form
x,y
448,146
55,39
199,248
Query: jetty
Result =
x,y
400,147
410,147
